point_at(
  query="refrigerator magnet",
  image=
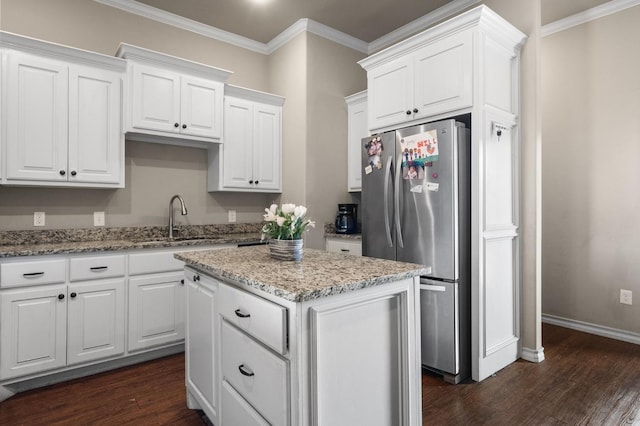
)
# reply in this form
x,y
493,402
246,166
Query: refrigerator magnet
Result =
x,y
412,172
433,186
417,189
420,149
374,150
368,169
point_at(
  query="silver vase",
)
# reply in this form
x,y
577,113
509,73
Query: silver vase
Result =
x,y
286,249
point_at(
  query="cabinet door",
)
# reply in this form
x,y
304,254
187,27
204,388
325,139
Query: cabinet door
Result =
x,y
201,111
357,129
266,147
155,99
443,75
33,330
202,344
96,320
95,143
390,91
36,118
238,143
156,310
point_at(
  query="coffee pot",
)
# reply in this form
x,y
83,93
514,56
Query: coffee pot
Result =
x,y
347,219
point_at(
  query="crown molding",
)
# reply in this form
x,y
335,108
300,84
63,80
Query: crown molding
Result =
x,y
588,15
174,20
422,23
302,25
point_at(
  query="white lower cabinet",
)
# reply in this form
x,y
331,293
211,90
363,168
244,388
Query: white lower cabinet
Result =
x,y
343,245
156,310
33,330
237,410
202,344
95,312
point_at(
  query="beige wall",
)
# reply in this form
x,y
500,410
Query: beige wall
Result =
x,y
333,74
591,178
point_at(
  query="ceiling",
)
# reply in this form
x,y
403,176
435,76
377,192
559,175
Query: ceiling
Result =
x,y
366,20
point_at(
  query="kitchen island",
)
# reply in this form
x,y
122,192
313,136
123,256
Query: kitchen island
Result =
x,y
332,339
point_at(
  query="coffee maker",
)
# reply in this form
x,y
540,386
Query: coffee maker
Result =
x,y
347,219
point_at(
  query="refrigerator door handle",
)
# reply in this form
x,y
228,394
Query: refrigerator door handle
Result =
x,y
387,176
431,287
398,179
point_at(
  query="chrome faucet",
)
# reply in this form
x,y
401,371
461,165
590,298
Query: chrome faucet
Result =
x,y
183,211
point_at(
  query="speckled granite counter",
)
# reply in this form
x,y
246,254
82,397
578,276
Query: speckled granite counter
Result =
x,y
330,231
319,274
65,241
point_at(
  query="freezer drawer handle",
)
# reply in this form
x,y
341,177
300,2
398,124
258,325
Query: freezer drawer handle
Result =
x,y
33,274
99,268
244,371
241,314
432,287
387,176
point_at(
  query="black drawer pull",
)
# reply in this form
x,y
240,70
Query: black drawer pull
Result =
x,y
345,250
245,372
241,314
99,268
33,274
196,278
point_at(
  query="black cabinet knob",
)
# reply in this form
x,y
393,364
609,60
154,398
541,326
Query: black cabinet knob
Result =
x,y
60,296
251,182
62,173
176,125
196,277
415,110
73,173
73,295
182,282
184,126
257,182
408,112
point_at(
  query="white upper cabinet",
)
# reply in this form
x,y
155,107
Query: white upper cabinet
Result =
x,y
357,129
172,100
61,116
433,79
249,159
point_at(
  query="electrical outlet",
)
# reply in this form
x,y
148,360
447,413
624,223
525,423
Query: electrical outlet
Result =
x,y
98,218
38,218
626,297
232,216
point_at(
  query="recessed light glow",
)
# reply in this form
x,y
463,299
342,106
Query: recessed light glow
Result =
x,y
259,1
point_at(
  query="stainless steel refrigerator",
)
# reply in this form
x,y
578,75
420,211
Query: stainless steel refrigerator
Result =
x,y
415,207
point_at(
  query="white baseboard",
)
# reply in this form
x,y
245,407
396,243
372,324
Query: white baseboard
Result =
x,y
532,355
599,330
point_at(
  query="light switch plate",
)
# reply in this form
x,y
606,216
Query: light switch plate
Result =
x,y
626,297
98,218
38,218
232,216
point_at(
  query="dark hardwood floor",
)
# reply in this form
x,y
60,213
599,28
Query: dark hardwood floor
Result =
x,y
584,380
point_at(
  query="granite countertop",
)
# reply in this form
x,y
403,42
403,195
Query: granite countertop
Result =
x,y
34,243
319,274
330,231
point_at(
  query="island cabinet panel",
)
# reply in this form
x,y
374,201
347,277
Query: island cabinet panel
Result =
x,y
202,347
238,411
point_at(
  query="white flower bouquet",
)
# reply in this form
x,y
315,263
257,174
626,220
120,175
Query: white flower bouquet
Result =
x,y
285,223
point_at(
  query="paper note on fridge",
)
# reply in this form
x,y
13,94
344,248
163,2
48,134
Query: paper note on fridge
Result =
x,y
417,188
417,150
433,186
368,170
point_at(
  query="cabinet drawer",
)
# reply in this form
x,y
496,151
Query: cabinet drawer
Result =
x,y
237,411
151,263
259,375
17,274
264,320
96,267
339,245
